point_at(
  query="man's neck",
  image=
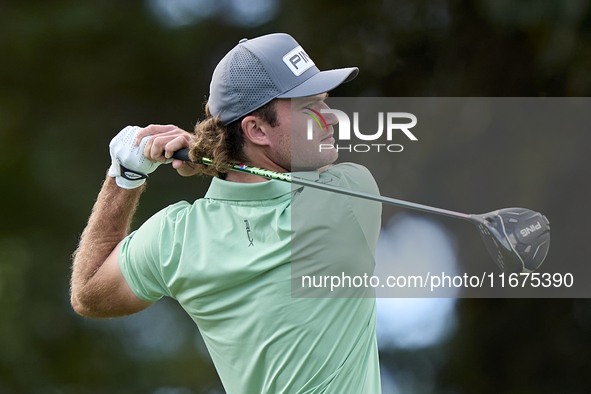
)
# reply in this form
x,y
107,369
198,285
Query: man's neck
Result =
x,y
234,176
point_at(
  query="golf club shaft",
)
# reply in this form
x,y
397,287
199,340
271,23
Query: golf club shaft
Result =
x,y
183,154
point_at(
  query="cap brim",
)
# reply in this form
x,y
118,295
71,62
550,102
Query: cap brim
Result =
x,y
321,82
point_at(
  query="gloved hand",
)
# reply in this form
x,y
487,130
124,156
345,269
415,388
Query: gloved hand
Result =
x,y
129,166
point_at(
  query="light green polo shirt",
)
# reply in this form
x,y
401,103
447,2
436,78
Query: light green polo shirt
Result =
x,y
227,259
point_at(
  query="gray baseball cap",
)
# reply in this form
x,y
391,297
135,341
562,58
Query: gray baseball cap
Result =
x,y
256,71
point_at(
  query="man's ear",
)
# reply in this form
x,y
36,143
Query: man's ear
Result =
x,y
256,130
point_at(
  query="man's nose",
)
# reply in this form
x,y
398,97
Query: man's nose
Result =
x,y
329,117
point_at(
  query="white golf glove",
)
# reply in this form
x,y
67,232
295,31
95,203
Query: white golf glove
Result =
x,y
129,166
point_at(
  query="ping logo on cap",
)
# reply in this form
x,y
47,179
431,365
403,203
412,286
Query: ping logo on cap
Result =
x,y
298,61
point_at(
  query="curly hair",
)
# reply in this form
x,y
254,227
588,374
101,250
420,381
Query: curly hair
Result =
x,y
224,144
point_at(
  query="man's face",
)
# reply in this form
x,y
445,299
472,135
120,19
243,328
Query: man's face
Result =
x,y
294,150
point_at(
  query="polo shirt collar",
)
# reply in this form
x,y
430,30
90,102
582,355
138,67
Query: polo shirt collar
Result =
x,y
310,175
238,191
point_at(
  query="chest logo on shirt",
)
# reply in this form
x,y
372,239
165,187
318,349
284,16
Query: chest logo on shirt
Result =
x,y
249,233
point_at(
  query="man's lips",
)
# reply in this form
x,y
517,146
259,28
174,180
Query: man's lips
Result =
x,y
328,140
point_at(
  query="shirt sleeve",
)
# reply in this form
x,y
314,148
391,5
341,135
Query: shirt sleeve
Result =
x,y
356,177
139,260
368,213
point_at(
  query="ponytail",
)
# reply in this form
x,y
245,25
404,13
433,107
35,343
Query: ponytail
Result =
x,y
224,144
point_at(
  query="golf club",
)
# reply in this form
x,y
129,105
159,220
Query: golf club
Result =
x,y
517,239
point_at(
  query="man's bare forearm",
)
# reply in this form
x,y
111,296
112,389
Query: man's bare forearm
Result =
x,y
108,224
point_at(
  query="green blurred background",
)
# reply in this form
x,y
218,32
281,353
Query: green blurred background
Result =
x,y
73,73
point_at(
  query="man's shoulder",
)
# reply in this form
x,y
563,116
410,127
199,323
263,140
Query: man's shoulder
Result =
x,y
177,207
352,176
350,169
172,212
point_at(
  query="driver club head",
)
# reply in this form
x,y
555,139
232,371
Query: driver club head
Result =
x,y
517,238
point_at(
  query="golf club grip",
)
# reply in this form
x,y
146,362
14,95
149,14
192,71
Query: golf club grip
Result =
x,y
182,154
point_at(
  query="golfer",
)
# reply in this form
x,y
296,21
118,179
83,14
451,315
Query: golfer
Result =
x,y
235,259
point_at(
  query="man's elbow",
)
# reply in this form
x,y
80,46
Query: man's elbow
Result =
x,y
101,307
82,309
77,306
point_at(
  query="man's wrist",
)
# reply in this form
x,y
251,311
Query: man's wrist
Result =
x,y
125,177
122,183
